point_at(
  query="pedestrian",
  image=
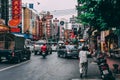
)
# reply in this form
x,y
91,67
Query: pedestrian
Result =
x,y
83,61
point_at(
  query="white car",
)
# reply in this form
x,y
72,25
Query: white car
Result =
x,y
37,46
31,47
28,43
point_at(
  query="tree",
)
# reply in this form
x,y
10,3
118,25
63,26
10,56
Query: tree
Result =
x,y
101,14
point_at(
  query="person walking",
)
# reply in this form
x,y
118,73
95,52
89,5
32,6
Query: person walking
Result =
x,y
83,61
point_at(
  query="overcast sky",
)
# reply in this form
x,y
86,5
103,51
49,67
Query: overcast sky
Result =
x,y
59,8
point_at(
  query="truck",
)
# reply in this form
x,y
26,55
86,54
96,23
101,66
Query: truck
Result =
x,y
13,48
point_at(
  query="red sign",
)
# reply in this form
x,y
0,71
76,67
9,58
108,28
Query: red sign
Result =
x,y
16,9
16,13
15,30
14,22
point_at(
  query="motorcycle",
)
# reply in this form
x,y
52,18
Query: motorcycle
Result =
x,y
106,73
44,54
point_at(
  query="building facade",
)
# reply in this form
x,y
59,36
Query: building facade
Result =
x,y
4,10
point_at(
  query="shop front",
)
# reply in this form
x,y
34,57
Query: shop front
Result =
x,y
3,27
112,41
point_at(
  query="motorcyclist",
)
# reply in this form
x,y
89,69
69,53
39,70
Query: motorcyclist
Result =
x,y
44,48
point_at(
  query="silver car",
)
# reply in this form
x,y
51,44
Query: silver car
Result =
x,y
68,51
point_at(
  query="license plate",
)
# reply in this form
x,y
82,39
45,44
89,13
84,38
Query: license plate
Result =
x,y
105,72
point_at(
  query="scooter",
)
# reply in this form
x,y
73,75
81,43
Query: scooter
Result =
x,y
106,73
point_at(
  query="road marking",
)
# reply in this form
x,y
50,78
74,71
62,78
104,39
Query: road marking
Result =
x,y
13,66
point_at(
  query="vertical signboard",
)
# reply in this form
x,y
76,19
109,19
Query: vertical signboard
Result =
x,y
16,13
16,9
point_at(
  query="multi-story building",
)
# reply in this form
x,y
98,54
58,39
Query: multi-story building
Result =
x,y
31,22
4,10
4,16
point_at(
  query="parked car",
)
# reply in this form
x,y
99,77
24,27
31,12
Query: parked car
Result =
x,y
65,51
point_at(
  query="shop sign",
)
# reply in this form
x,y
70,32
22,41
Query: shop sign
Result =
x,y
15,30
16,9
16,13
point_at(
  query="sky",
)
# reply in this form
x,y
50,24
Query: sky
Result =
x,y
59,8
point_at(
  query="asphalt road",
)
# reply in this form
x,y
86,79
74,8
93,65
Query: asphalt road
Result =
x,y
51,68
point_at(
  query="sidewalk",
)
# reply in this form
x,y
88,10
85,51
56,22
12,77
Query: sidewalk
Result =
x,y
112,61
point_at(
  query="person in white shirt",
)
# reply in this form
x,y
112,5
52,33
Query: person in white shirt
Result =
x,y
83,61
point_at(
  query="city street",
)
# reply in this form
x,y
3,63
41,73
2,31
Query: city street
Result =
x,y
51,68
44,40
